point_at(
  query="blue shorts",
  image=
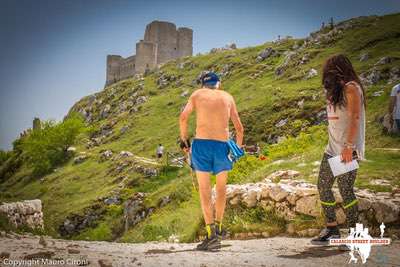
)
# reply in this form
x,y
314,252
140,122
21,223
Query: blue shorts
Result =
x,y
210,156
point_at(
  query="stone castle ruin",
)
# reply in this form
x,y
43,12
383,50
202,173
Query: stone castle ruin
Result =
x,y
162,42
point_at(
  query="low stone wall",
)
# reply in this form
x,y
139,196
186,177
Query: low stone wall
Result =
x,y
291,197
25,213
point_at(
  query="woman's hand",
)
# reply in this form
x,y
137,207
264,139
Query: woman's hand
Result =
x,y
347,154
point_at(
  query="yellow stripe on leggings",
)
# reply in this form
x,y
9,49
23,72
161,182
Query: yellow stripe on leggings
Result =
x,y
328,203
351,204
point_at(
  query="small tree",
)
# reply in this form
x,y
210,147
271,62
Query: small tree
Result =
x,y
47,146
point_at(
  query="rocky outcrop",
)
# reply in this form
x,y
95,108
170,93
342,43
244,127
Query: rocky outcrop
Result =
x,y
135,210
387,126
75,223
26,213
291,197
266,53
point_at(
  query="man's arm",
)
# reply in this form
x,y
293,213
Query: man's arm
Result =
x,y
237,124
184,118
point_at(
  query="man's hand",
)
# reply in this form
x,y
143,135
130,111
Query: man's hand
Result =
x,y
185,145
347,154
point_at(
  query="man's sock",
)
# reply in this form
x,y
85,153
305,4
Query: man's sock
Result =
x,y
218,224
210,228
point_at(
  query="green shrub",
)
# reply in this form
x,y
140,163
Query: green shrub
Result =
x,y
44,148
155,232
4,156
314,137
10,166
244,167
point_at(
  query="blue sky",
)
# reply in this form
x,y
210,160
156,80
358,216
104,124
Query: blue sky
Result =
x,y
53,52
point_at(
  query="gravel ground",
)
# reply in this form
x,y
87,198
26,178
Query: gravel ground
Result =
x,y
277,251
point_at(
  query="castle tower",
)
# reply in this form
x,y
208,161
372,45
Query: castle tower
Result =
x,y
162,42
145,56
163,34
185,41
36,124
113,69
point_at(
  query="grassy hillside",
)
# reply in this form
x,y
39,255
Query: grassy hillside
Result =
x,y
263,99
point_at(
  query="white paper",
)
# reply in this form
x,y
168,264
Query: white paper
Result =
x,y
338,167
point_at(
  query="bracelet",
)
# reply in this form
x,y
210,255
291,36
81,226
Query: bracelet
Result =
x,y
349,145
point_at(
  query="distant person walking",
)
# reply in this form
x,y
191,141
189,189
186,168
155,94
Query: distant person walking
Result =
x,y
160,151
346,117
214,108
394,107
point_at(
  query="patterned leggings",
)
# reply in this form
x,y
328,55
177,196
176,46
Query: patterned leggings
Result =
x,y
345,184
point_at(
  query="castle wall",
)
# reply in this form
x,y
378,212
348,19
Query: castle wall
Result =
x,y
185,42
113,70
164,34
127,67
145,56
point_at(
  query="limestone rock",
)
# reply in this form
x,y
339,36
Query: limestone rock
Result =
x,y
312,73
124,129
308,205
373,77
25,213
266,53
364,204
185,93
387,127
283,174
81,158
278,193
340,216
125,154
105,112
386,211
384,61
114,200
141,99
281,123
105,155
364,57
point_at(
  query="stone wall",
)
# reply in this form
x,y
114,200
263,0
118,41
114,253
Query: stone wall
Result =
x,y
291,197
127,67
25,213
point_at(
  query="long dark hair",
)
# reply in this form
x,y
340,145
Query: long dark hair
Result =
x,y
336,72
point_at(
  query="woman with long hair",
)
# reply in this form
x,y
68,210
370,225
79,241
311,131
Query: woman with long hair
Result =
x,y
346,129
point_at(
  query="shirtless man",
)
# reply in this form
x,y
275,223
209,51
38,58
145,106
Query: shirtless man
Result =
x,y
214,108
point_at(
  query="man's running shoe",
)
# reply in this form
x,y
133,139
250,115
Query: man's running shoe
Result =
x,y
325,235
210,244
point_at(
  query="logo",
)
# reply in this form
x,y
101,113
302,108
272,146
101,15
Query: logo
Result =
x,y
359,241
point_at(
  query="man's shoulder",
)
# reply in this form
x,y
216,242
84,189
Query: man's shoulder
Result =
x,y
226,94
197,92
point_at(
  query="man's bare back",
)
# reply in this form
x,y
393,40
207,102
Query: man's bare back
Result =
x,y
213,109
212,113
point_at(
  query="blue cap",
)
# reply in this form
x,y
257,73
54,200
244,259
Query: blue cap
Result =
x,y
210,78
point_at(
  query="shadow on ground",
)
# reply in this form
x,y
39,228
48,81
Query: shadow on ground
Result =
x,y
315,252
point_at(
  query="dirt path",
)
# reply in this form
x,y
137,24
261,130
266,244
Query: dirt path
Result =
x,y
277,251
